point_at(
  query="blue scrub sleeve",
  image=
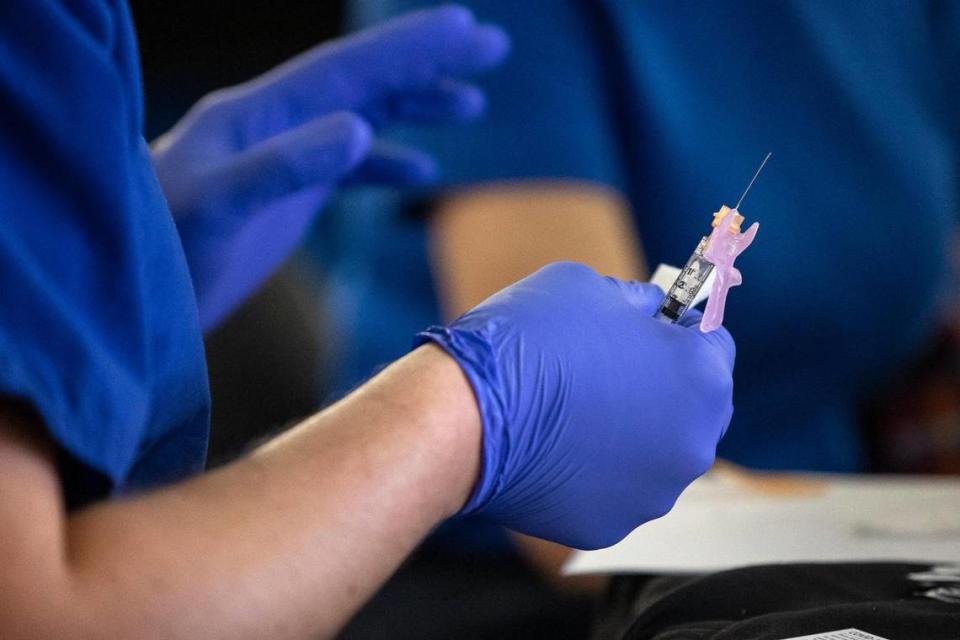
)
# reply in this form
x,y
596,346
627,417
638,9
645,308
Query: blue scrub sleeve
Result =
x,y
548,110
72,338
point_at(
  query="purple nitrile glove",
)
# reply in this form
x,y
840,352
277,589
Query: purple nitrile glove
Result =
x,y
247,169
596,416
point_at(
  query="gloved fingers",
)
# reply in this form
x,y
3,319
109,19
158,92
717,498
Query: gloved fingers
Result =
x,y
646,297
446,100
320,152
719,338
410,53
393,164
691,318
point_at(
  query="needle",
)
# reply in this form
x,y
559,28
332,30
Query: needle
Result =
x,y
754,179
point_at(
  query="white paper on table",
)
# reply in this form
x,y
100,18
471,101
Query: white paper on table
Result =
x,y
664,275
718,524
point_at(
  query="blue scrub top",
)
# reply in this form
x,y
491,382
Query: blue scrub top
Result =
x,y
674,104
98,323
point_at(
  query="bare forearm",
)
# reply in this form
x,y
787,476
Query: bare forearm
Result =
x,y
485,237
290,541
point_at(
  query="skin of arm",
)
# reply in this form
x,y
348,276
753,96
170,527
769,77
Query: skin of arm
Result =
x,y
483,238
285,543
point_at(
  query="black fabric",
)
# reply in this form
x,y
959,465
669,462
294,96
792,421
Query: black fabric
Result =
x,y
778,602
448,595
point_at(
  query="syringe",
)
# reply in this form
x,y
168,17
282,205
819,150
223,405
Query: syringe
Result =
x,y
694,275
728,243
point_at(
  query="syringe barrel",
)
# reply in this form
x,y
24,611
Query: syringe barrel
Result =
x,y
685,288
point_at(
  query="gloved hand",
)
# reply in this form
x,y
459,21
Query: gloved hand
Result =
x,y
248,167
595,415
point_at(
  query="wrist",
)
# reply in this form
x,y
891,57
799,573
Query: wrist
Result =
x,y
472,352
450,418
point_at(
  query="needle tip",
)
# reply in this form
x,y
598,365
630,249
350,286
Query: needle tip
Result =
x,y
752,180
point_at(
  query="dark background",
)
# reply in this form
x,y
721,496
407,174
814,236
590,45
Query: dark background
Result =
x,y
190,48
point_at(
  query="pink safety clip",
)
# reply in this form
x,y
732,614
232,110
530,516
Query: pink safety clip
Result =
x,y
725,244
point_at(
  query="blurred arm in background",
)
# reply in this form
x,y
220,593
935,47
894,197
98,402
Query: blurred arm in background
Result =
x,y
485,237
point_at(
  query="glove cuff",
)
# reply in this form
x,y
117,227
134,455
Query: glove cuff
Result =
x,y
476,358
